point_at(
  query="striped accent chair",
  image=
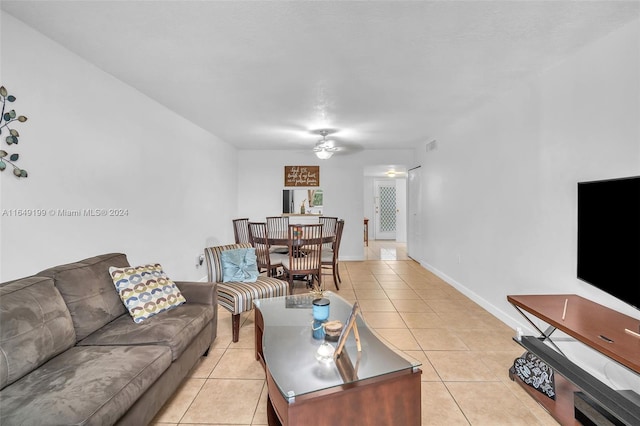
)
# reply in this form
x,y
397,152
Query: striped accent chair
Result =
x,y
238,297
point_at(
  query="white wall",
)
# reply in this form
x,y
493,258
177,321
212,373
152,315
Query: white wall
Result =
x,y
500,191
261,180
92,142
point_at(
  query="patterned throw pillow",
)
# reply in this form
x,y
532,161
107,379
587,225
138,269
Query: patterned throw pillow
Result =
x,y
145,290
239,265
535,373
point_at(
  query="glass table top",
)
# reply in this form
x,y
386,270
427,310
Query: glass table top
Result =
x,y
290,350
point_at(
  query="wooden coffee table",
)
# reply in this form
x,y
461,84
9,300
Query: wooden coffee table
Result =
x,y
374,387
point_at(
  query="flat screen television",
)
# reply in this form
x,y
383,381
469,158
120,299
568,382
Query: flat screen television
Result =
x,y
609,236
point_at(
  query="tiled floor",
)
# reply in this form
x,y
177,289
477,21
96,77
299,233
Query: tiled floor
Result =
x,y
464,350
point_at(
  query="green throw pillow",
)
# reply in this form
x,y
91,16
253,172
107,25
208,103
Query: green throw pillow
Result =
x,y
239,265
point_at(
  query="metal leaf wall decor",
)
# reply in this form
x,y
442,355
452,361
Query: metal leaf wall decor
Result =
x,y
6,119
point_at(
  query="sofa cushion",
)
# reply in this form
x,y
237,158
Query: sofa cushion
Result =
x,y
175,329
88,291
84,386
145,290
35,326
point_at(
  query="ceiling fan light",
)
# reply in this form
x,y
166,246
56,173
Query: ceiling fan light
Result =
x,y
324,148
323,154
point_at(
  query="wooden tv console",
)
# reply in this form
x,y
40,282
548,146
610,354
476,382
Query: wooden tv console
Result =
x,y
607,331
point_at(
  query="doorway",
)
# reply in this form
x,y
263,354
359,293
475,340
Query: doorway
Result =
x,y
385,201
385,221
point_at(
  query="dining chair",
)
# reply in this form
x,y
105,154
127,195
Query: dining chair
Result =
x,y
304,254
330,257
241,230
267,261
278,225
235,296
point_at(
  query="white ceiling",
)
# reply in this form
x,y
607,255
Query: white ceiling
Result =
x,y
262,74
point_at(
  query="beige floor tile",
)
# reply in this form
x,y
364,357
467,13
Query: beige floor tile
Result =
x,y
429,374
207,364
376,305
177,406
463,320
499,362
361,275
439,408
247,337
451,305
544,418
479,403
416,283
371,294
394,285
225,401
400,338
379,320
431,293
486,340
366,285
381,265
405,305
458,366
260,416
401,294
391,277
346,293
422,320
405,269
438,339
238,364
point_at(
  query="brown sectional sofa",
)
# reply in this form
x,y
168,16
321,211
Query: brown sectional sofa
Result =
x,y
70,353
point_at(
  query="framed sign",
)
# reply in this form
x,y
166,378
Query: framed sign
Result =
x,y
301,175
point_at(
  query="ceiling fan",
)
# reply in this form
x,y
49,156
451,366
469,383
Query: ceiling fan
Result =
x,y
324,148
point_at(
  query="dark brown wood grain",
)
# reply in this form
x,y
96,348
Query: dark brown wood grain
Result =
x,y
392,399
587,321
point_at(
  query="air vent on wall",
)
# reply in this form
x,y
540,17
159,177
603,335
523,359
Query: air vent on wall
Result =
x,y
432,146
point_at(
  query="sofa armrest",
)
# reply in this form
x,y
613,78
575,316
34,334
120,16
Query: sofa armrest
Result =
x,y
202,292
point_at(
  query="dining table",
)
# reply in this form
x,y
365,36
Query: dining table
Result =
x,y
282,239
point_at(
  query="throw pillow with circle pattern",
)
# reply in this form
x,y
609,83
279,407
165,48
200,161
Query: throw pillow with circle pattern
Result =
x,y
145,290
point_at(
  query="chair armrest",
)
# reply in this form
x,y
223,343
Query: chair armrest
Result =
x,y
202,292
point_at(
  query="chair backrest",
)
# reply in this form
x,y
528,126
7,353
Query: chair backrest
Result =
x,y
277,225
241,230
330,224
336,244
329,228
214,264
258,237
305,247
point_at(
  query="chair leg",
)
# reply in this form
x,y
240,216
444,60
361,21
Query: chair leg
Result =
x,y
290,277
337,268
235,327
335,276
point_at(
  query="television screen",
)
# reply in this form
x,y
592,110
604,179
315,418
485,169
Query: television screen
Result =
x,y
609,236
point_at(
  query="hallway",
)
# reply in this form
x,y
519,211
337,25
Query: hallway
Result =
x,y
385,250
